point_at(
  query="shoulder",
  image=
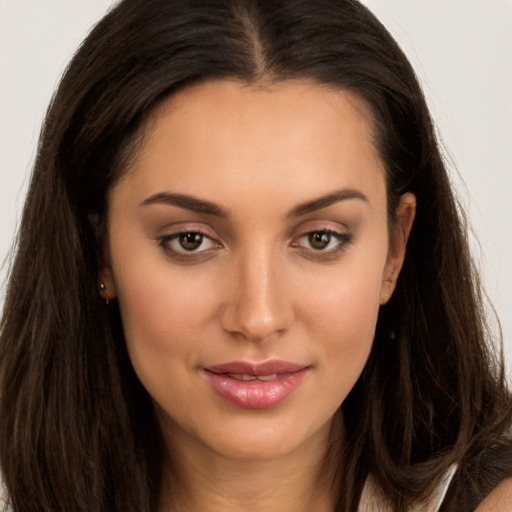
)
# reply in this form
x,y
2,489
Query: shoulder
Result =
x,y
498,500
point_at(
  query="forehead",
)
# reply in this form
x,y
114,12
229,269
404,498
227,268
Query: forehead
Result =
x,y
289,136
232,105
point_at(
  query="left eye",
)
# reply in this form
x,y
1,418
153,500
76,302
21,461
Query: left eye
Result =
x,y
323,240
319,240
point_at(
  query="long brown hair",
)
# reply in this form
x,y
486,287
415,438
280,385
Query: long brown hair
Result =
x,y
77,430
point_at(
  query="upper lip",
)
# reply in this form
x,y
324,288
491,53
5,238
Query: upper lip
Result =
x,y
257,369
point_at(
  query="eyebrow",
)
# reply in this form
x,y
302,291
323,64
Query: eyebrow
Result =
x,y
327,200
187,202
202,206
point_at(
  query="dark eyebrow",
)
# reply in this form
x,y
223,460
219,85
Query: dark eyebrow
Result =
x,y
187,202
327,200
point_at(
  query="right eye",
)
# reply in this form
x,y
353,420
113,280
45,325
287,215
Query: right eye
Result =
x,y
190,241
187,244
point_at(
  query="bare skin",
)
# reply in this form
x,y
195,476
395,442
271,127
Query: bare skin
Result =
x,y
499,500
293,482
251,226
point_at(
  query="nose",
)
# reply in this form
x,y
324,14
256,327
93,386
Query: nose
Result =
x,y
259,306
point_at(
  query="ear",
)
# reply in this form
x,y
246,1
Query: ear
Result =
x,y
106,286
398,241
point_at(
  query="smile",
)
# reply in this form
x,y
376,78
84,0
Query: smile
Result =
x,y
256,386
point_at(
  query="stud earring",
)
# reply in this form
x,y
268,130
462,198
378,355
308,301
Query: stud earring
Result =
x,y
102,288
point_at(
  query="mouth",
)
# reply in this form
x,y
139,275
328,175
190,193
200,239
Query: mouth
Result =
x,y
256,385
248,377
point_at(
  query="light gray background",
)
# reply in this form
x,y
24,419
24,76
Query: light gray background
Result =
x,y
461,50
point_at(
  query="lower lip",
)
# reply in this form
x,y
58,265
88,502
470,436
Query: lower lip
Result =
x,y
256,394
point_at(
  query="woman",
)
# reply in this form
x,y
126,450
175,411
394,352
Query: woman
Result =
x,y
242,281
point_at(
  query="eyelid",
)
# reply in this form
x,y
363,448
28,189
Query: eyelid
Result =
x,y
169,230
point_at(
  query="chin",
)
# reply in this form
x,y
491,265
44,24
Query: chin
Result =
x,y
263,440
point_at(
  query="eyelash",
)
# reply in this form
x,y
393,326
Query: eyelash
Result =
x,y
343,240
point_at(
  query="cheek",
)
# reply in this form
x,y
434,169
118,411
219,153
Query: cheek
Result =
x,y
348,321
166,326
341,317
165,312
158,306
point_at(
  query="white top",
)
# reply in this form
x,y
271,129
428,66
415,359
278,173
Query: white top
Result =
x,y
4,504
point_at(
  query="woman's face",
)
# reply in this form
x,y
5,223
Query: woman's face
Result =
x,y
248,249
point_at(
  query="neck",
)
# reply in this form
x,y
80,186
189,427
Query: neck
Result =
x,y
200,480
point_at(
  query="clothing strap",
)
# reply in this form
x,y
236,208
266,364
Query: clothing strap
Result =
x,y
370,501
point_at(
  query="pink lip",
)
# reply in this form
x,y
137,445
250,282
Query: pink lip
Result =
x,y
256,394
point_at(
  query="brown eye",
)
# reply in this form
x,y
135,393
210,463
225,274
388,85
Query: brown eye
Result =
x,y
319,239
190,241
